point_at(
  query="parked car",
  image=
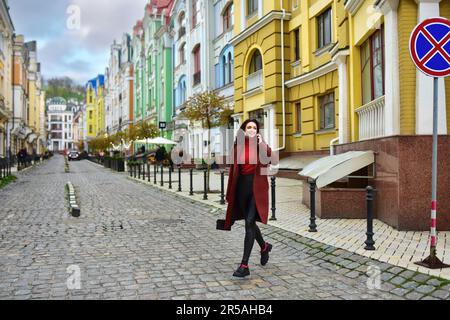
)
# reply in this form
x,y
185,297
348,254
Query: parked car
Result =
x,y
73,155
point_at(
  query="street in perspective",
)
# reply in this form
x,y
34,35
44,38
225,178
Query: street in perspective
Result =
x,y
225,150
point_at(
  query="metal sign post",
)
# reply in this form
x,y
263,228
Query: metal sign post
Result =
x,y
430,53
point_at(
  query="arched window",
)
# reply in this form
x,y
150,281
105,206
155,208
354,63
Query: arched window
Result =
x,y
197,65
225,70
182,53
228,18
230,67
182,23
255,62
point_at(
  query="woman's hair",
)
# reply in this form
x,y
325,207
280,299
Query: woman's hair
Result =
x,y
244,124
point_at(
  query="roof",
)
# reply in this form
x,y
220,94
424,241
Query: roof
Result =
x,y
332,168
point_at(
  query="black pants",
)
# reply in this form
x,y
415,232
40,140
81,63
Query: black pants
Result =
x,y
246,203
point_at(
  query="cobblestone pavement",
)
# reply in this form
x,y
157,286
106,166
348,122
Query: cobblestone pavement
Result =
x,y
134,241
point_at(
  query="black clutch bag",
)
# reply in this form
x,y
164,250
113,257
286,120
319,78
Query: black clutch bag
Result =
x,y
220,225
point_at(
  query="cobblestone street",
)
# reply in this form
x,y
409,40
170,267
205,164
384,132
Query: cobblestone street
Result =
x,y
134,241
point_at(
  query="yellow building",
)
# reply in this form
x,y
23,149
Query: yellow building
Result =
x,y
95,107
289,83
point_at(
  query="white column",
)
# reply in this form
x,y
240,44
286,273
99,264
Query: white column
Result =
x,y
260,8
341,60
391,81
424,84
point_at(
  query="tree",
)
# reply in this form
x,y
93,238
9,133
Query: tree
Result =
x,y
212,111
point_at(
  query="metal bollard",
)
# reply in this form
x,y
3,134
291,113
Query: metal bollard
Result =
x,y
222,187
148,172
139,170
143,171
170,178
154,174
312,192
191,190
134,170
369,241
179,178
162,175
272,186
205,194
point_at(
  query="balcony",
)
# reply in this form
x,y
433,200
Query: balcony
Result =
x,y
371,119
197,78
254,82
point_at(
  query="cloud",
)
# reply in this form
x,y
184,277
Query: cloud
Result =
x,y
63,48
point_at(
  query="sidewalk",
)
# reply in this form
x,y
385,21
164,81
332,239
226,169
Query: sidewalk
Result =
x,y
400,248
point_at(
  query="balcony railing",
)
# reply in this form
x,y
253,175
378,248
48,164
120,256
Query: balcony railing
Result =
x,y
371,119
254,80
197,78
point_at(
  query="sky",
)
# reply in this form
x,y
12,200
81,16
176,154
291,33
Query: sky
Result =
x,y
74,36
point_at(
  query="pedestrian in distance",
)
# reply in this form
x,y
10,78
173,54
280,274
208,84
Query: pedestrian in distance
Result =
x,y
248,192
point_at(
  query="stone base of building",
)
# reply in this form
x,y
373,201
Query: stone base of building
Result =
x,y
402,182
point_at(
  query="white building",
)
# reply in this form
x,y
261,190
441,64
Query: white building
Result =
x,y
203,60
119,87
59,119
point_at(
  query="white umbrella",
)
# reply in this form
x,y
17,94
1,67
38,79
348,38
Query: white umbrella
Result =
x,y
160,140
147,140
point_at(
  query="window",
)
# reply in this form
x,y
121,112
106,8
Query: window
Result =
x,y
90,114
194,13
324,29
252,7
297,44
182,30
228,18
230,67
372,67
90,128
197,68
327,114
182,53
298,112
256,62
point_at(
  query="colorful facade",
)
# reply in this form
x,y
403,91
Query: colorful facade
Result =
x,y
95,107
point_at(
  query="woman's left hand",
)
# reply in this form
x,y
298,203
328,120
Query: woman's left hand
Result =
x,y
259,138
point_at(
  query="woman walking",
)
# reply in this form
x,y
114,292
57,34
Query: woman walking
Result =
x,y
247,192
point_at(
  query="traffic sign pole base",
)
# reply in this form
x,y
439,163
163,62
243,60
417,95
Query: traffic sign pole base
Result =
x,y
432,262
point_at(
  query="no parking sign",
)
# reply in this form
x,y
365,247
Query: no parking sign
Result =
x,y
429,46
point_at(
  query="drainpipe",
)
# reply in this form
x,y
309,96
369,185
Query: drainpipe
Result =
x,y
283,102
332,142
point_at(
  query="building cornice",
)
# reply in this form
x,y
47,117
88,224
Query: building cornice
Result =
x,y
316,73
352,6
268,18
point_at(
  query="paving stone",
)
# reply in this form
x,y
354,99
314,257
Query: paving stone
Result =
x,y
434,282
397,280
441,294
422,278
425,289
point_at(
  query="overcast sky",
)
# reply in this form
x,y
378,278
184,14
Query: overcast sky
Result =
x,y
66,47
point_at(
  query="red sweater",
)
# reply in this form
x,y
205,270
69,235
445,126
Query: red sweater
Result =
x,y
245,166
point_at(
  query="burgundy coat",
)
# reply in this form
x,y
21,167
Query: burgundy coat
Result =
x,y
260,191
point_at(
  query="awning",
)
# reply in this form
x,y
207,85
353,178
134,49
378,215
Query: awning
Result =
x,y
32,137
332,168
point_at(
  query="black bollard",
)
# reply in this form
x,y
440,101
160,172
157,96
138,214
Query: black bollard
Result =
x,y
191,189
272,185
222,187
134,170
162,175
179,178
148,172
369,241
312,192
205,194
170,178
143,171
154,173
139,170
